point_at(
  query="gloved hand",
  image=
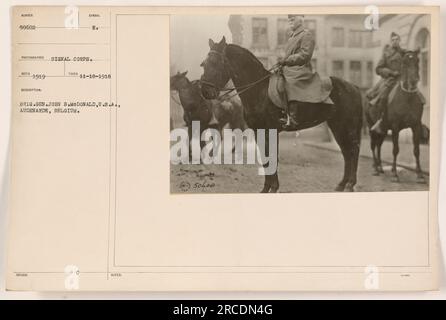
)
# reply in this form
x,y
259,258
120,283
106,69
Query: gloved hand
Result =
x,y
395,74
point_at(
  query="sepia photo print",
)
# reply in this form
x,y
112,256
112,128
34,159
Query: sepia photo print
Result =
x,y
299,103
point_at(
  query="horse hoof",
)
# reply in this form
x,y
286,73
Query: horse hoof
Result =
x,y
265,190
340,187
273,190
380,169
349,187
395,179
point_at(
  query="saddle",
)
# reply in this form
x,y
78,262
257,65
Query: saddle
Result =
x,y
314,90
392,95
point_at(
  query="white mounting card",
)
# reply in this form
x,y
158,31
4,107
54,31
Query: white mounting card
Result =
x,y
124,175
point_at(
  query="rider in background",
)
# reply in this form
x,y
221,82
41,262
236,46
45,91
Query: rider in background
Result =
x,y
388,68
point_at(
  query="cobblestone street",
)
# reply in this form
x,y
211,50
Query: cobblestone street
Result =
x,y
302,168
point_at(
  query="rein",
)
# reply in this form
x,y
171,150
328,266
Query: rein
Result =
x,y
243,88
240,89
407,90
405,74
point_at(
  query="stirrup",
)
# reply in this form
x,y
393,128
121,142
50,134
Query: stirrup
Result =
x,y
290,123
285,121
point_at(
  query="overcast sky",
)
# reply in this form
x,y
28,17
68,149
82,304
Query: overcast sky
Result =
x,y
189,37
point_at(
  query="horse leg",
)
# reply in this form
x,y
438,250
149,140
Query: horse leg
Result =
x,y
349,140
267,183
232,126
347,165
189,132
354,157
340,139
271,183
379,144
416,135
274,178
396,150
373,147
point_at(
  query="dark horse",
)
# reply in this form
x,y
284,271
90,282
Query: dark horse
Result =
x,y
210,113
229,61
403,111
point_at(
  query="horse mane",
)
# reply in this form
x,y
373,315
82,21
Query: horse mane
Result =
x,y
243,52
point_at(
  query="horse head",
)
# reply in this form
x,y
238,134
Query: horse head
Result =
x,y
216,74
410,73
179,81
195,107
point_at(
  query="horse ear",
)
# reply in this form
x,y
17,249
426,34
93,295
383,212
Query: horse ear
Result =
x,y
223,40
418,50
211,43
184,73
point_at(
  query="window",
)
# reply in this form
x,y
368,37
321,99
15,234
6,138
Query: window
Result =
x,y
355,39
282,32
311,26
337,37
369,74
422,41
260,32
338,68
368,39
355,73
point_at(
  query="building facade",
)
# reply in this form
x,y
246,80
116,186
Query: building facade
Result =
x,y
414,30
344,47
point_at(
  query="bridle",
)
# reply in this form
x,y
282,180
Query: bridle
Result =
x,y
407,90
239,89
402,83
225,62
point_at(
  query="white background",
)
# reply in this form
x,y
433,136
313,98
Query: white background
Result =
x,y
5,116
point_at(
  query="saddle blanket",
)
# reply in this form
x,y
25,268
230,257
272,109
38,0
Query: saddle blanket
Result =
x,y
392,94
314,90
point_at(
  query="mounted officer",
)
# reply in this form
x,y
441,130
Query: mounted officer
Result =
x,y
388,68
298,82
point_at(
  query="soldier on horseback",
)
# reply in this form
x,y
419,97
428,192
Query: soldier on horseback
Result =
x,y
297,81
389,67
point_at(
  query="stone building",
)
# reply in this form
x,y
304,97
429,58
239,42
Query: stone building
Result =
x,y
344,47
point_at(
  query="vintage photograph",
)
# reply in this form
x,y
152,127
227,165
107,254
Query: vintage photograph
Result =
x,y
299,103
302,102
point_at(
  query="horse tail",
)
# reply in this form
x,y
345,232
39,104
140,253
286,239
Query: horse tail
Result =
x,y
425,134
